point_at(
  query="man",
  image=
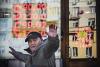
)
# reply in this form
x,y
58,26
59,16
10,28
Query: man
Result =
x,y
41,53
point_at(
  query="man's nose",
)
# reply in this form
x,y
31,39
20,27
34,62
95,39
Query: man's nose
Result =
x,y
33,42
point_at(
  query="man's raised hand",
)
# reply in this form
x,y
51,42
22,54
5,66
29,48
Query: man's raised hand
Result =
x,y
52,31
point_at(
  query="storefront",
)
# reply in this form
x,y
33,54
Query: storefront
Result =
x,y
76,21
18,18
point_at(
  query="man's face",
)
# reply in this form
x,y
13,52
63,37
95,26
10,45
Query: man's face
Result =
x,y
34,43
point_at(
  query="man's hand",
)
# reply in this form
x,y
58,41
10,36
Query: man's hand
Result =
x,y
52,31
11,50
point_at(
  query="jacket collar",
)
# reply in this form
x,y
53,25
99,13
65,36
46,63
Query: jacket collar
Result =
x,y
28,50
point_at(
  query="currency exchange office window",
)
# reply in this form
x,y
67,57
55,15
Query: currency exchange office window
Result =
x,y
19,17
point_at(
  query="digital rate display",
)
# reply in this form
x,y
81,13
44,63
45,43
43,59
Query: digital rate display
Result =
x,y
29,17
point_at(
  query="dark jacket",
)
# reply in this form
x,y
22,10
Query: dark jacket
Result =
x,y
44,55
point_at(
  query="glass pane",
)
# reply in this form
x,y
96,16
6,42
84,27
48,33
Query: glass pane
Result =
x,y
19,17
82,27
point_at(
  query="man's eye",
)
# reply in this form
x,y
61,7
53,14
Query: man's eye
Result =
x,y
30,41
34,40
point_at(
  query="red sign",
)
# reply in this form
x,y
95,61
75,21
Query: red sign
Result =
x,y
29,17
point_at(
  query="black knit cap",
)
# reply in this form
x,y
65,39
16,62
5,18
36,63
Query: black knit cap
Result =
x,y
33,35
